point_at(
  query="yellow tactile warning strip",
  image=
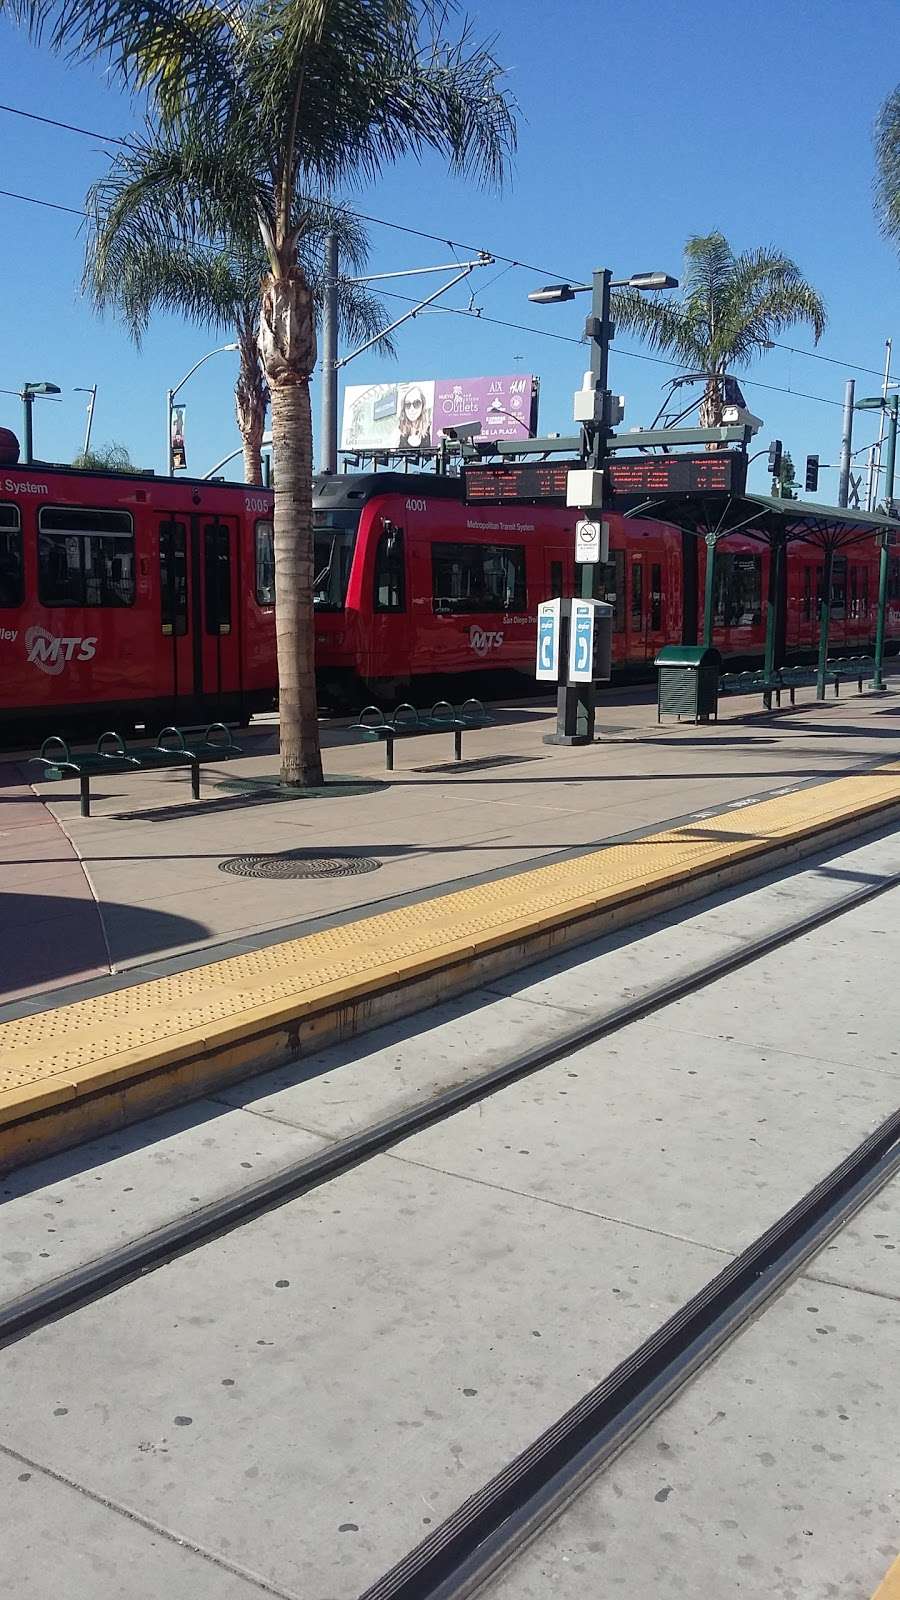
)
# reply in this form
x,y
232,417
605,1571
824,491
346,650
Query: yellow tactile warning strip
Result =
x,y
889,1587
102,1044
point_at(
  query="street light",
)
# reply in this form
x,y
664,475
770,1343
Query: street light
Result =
x,y
552,293
575,704
29,390
171,393
92,391
879,403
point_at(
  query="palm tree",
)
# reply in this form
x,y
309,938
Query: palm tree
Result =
x,y
729,310
137,269
263,105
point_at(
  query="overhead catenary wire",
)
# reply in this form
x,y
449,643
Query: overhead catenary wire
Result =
x,y
452,244
498,322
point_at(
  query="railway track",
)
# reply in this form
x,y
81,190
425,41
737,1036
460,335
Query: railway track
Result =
x,y
116,1267
494,1524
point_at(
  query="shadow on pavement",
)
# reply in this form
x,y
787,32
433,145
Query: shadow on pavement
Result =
x,y
48,939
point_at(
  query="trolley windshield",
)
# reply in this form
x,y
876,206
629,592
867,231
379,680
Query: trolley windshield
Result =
x,y
334,539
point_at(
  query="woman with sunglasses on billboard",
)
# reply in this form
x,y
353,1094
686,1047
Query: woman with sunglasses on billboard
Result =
x,y
415,420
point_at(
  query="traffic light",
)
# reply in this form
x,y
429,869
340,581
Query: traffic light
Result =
x,y
812,474
775,458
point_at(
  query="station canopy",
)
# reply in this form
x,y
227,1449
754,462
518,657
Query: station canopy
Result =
x,y
713,516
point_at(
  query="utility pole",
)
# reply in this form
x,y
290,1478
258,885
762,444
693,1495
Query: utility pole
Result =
x,y
332,363
846,443
884,563
329,356
875,457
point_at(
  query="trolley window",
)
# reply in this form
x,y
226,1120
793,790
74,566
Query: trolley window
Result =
x,y
265,564
173,578
656,597
738,590
217,574
478,577
893,584
390,576
807,602
839,589
334,540
637,596
556,580
11,565
608,583
85,557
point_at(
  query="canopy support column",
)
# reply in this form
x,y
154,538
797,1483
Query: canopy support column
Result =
x,y
883,567
709,593
824,620
774,604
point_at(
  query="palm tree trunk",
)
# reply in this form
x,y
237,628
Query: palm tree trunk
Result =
x,y
250,403
252,460
288,346
712,406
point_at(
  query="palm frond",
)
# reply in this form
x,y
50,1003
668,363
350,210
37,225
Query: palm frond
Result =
x,y
708,265
731,309
663,324
377,79
887,158
766,294
156,44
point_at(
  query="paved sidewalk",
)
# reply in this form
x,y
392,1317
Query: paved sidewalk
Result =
x,y
152,857
50,923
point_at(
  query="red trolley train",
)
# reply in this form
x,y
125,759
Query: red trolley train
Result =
x,y
128,598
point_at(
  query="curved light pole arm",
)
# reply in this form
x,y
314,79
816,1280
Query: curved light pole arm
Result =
x,y
171,393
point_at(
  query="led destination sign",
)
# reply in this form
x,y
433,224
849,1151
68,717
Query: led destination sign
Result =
x,y
627,477
528,480
715,471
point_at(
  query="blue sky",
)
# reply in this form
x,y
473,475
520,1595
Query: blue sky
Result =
x,y
639,126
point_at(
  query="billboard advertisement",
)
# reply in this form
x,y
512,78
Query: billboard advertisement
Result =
x,y
412,416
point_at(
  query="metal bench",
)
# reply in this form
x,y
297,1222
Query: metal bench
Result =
x,y
840,670
837,671
408,723
850,669
794,678
752,682
215,745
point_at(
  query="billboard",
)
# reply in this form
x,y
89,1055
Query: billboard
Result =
x,y
412,416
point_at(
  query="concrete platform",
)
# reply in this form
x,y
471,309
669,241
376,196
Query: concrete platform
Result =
x,y
79,1069
150,861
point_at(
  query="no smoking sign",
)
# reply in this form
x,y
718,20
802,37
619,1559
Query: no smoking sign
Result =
x,y
591,541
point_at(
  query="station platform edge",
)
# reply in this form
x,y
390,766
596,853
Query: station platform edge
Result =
x,y
70,1073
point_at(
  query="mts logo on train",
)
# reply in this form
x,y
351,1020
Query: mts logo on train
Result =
x,y
50,652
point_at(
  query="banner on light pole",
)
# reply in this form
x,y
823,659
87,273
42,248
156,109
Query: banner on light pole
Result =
x,y
179,455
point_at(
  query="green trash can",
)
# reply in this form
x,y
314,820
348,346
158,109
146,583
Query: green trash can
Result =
x,y
688,682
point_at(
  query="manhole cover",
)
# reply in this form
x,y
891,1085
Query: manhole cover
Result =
x,y
298,864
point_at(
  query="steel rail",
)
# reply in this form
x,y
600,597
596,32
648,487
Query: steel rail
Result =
x,y
116,1267
497,1521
